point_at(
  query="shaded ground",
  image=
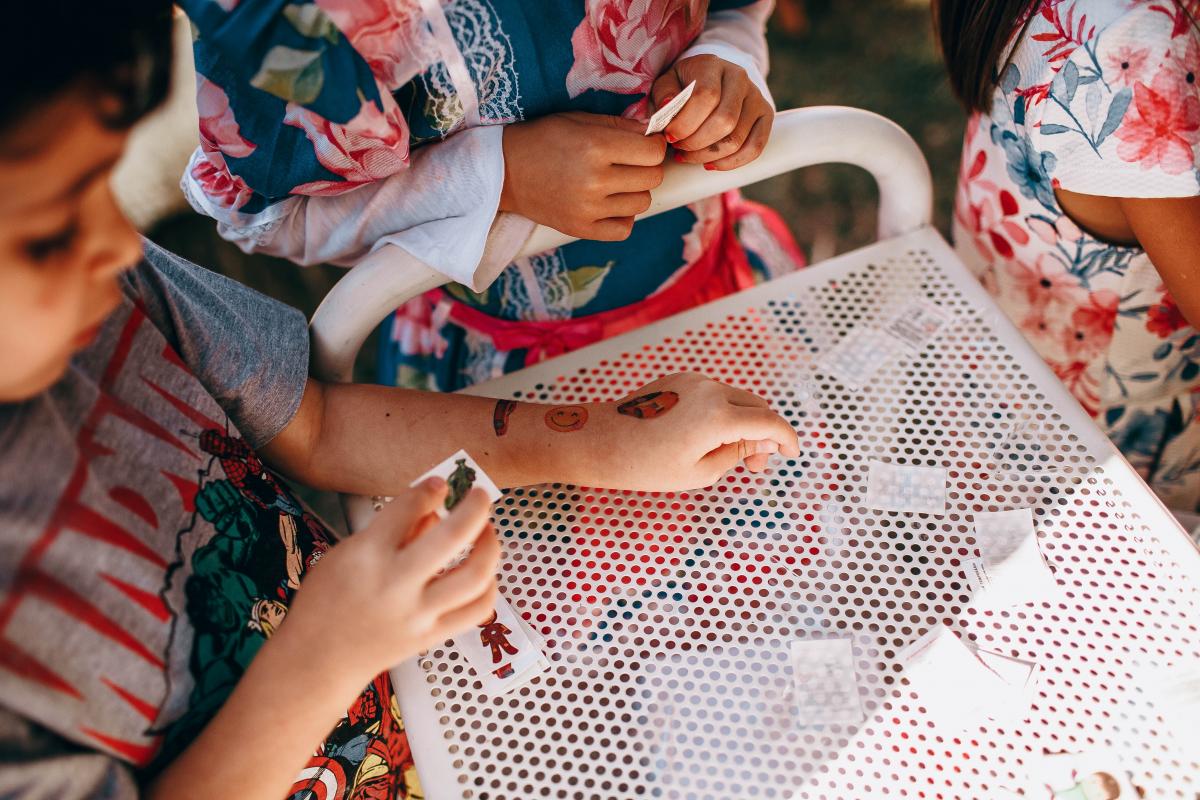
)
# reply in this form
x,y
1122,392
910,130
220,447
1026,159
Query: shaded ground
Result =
x,y
874,54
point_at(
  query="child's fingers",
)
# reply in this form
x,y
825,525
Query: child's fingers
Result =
x,y
705,98
449,537
763,424
664,89
475,575
636,179
627,204
722,121
612,229
757,462
742,397
751,148
728,456
404,518
473,613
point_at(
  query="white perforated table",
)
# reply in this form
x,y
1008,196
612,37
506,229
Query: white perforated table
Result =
x,y
667,618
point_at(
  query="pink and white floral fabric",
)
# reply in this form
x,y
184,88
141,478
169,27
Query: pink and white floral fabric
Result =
x,y
1100,97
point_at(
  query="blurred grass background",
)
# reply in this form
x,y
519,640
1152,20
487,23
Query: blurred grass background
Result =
x,y
874,54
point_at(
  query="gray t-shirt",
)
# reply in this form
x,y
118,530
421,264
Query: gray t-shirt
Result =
x,y
146,554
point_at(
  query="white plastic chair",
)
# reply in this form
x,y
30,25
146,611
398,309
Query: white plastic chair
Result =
x,y
800,138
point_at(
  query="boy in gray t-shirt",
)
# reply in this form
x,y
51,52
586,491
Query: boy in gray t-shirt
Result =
x,y
149,554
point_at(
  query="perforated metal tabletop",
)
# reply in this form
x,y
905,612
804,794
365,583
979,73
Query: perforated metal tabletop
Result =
x,y
667,618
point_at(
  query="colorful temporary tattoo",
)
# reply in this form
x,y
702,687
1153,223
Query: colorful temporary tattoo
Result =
x,y
500,415
565,419
649,406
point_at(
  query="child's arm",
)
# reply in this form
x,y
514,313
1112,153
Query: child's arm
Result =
x,y
374,440
1169,230
372,601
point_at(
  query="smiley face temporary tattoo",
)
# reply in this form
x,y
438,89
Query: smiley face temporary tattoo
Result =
x,y
500,415
648,406
565,419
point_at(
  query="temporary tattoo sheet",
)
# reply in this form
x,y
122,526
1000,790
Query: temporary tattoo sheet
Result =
x,y
859,355
950,680
891,487
1020,677
917,323
462,473
662,118
648,406
1010,568
504,652
824,682
565,419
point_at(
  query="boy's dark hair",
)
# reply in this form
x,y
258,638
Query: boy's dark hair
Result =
x,y
116,49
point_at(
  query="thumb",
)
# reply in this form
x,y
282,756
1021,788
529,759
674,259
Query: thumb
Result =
x,y
727,456
407,516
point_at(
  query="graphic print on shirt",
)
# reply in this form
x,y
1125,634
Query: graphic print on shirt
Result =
x,y
240,585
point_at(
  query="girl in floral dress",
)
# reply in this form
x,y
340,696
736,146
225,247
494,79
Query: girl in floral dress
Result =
x,y
1077,205
451,128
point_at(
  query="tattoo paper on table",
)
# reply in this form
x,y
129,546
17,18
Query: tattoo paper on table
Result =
x,y
1010,568
859,355
891,487
950,680
662,118
824,682
916,324
504,652
462,474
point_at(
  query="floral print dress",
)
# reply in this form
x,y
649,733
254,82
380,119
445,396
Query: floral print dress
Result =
x,y
1100,97
330,127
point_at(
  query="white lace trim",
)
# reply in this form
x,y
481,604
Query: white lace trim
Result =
x,y
483,56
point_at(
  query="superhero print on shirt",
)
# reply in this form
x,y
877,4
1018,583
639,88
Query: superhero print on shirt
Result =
x,y
240,585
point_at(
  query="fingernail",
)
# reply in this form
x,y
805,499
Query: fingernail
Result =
x,y
678,157
670,138
766,447
709,167
434,482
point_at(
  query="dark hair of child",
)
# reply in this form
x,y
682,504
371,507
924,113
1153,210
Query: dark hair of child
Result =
x,y
974,36
117,50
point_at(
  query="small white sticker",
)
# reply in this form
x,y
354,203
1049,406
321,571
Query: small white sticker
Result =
x,y
917,324
824,681
1010,568
899,488
858,356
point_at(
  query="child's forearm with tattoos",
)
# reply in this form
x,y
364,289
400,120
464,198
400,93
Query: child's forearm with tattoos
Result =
x,y
683,431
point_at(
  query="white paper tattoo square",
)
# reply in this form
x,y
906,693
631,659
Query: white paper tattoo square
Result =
x,y
858,356
917,323
896,488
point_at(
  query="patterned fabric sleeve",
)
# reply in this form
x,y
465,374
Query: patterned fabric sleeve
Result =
x,y
304,151
1122,116
738,35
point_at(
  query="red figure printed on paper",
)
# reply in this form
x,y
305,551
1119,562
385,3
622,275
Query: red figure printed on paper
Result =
x,y
494,634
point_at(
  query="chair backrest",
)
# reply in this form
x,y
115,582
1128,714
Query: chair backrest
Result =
x,y
801,137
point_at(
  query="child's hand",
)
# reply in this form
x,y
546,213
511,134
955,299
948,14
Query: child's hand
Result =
x,y
587,175
375,599
725,122
704,431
